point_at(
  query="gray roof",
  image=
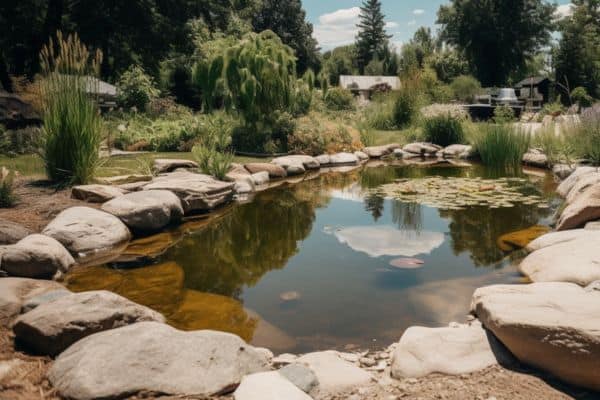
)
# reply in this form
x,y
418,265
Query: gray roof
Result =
x,y
531,81
96,86
357,82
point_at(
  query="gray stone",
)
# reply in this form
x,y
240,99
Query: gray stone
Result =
x,y
536,158
153,357
88,232
551,326
260,178
323,159
96,193
362,156
552,238
565,186
343,159
16,291
457,151
124,179
197,192
462,349
11,232
582,185
268,386
43,298
583,209
380,151
36,256
422,149
593,226
562,171
162,165
146,211
301,376
296,164
53,326
274,171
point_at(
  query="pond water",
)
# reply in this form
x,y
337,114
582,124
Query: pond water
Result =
x,y
328,263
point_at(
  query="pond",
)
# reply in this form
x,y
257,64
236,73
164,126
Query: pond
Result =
x,y
330,262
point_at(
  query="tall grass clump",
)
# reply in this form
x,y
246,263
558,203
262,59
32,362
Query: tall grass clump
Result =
x,y
501,146
443,130
213,152
72,124
7,196
556,144
405,107
586,135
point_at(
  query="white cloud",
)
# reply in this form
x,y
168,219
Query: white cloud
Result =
x,y
337,28
563,11
341,17
391,25
412,22
418,11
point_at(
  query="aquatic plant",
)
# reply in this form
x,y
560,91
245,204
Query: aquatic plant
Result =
x,y
501,146
443,130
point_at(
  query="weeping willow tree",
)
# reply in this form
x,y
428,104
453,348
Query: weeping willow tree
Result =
x,y
72,123
256,78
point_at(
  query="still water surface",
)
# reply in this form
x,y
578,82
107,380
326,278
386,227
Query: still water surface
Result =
x,y
326,263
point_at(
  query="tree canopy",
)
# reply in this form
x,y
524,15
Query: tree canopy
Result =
x,y
372,40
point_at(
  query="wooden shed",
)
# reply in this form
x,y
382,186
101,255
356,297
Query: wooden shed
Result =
x,y
534,91
364,86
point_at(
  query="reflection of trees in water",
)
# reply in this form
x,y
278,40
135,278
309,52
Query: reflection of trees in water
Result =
x,y
375,205
477,229
407,216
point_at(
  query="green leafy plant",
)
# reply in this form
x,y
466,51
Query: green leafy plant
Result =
x,y
211,161
503,114
405,107
338,99
72,123
465,88
581,97
555,108
443,130
136,88
7,196
501,146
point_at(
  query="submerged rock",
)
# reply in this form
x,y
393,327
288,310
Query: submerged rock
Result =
x,y
153,357
36,256
551,326
162,165
268,386
11,232
584,208
53,326
96,193
520,239
14,292
148,248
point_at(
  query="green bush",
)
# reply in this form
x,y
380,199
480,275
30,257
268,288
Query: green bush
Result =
x,y
405,108
501,146
580,96
555,108
313,138
7,196
465,88
443,130
503,115
136,88
338,99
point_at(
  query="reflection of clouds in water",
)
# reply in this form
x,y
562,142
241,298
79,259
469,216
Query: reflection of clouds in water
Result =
x,y
377,241
353,192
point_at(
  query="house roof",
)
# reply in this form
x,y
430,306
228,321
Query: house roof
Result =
x,y
357,82
531,81
96,86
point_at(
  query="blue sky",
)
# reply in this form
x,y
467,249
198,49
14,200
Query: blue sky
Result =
x,y
335,20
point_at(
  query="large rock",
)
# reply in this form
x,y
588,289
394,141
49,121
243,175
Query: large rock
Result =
x,y
146,211
96,193
422,149
576,261
11,232
268,386
380,151
552,238
362,156
343,159
53,326
584,208
453,350
36,256
562,171
301,376
565,186
296,164
124,179
552,326
88,232
274,171
162,165
333,373
14,292
457,151
260,178
197,192
536,158
582,185
153,357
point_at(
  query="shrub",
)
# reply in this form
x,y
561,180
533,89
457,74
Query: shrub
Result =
x,y
7,196
405,108
72,123
501,146
313,137
556,108
503,114
465,88
443,130
580,96
338,99
136,88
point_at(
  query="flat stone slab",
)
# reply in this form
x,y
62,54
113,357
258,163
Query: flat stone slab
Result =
x,y
96,193
124,179
584,208
274,171
343,159
52,327
146,211
11,232
36,256
362,156
576,260
457,151
551,326
162,165
84,231
380,151
153,357
421,148
14,292
462,349
296,164
268,386
197,192
334,373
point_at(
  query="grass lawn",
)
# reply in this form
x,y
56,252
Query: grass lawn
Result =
x,y
403,136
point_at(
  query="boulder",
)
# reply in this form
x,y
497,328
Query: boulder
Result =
x,y
36,256
576,260
274,171
301,376
343,159
15,291
323,159
51,327
260,178
551,326
86,231
457,151
238,169
153,357
197,192
584,208
146,211
96,193
296,164
362,156
333,373
163,165
380,151
268,386
565,186
243,183
43,298
422,149
582,184
11,232
520,239
536,158
562,171
593,226
455,350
